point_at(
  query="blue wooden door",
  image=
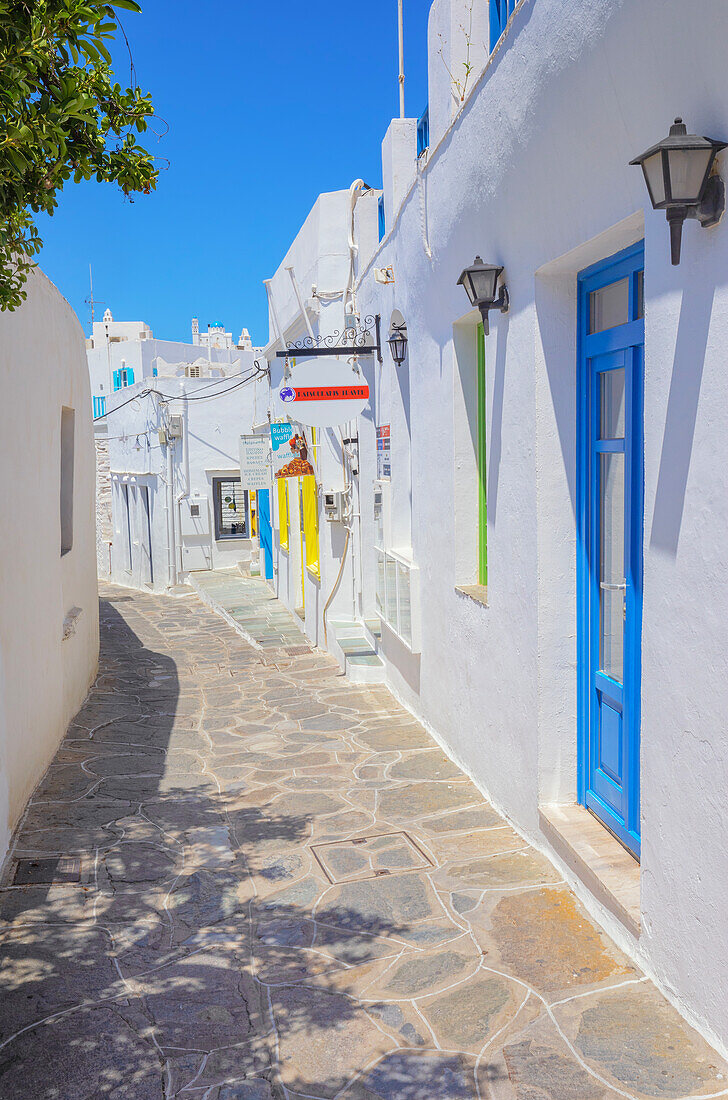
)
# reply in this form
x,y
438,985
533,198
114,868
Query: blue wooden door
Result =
x,y
265,532
611,338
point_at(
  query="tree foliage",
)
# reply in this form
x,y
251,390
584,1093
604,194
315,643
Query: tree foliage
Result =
x,y
63,116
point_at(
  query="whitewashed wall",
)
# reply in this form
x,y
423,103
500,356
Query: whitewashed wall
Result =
x,y
43,678
533,174
139,461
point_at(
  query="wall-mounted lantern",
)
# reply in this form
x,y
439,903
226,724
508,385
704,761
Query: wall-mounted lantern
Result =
x,y
397,341
678,176
481,281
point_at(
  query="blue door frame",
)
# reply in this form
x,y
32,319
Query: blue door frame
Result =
x,y
609,711
265,532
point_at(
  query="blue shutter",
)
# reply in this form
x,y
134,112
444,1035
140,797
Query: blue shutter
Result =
x,y
117,380
382,223
130,376
498,19
423,131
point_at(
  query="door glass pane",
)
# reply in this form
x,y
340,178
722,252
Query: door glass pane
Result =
x,y
611,404
611,564
609,306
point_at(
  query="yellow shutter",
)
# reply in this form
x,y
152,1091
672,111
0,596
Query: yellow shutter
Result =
x,y
283,511
310,525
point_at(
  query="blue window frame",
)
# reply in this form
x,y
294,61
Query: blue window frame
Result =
x,y
123,377
500,13
99,405
382,222
610,476
423,131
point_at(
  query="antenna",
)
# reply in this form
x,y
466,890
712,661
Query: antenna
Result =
x,y
91,301
401,58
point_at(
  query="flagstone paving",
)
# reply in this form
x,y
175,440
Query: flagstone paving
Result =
x,y
284,889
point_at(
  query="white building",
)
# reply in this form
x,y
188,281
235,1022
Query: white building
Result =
x,y
124,353
550,584
48,596
217,337
174,469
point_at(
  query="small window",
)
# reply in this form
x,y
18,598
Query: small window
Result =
x,y
423,132
382,222
231,508
99,407
68,418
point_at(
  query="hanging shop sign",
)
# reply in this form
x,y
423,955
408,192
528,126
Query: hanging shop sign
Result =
x,y
255,462
323,393
384,463
290,453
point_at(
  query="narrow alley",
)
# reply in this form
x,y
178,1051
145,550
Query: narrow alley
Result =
x,y
244,877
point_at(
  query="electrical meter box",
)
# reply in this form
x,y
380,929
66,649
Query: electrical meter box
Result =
x,y
174,431
334,507
194,517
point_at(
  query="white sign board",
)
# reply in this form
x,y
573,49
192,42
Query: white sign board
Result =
x,y
323,393
255,461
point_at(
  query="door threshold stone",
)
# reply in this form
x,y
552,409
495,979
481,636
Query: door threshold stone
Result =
x,y
597,858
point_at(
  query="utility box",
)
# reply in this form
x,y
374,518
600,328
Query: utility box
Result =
x,y
194,517
334,507
174,431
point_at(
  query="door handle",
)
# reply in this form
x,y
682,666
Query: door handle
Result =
x,y
613,587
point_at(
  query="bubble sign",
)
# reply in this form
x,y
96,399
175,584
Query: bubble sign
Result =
x,y
323,393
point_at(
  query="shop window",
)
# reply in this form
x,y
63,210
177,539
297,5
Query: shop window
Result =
x,y
309,504
283,521
68,418
231,508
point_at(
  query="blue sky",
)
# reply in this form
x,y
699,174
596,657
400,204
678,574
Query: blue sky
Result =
x,y
267,105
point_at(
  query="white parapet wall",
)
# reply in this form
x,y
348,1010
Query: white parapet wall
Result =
x,y
49,633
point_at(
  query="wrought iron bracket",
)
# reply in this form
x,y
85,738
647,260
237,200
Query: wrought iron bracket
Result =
x,y
355,341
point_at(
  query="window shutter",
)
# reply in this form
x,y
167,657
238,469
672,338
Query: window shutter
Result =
x,y
117,379
130,376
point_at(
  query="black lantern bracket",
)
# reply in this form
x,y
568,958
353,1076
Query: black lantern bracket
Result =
x,y
364,339
480,282
681,177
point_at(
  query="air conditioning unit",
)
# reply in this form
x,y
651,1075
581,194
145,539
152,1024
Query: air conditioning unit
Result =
x,y
193,371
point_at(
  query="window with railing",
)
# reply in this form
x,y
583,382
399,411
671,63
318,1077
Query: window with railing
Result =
x,y
423,132
500,13
398,596
99,406
382,221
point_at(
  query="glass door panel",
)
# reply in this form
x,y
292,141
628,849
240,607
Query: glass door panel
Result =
x,y
612,584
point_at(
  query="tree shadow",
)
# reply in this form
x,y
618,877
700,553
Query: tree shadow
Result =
x,y
183,951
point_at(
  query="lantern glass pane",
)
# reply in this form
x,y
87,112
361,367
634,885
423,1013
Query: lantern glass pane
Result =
x,y
652,168
484,284
688,169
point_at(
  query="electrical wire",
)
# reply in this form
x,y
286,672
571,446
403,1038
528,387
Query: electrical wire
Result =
x,y
259,372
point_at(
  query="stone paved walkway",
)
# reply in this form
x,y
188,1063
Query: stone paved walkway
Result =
x,y
284,889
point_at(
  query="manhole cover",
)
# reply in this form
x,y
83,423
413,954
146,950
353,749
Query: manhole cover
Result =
x,y
46,872
369,857
297,650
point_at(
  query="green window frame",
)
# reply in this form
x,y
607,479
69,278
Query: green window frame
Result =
x,y
482,479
